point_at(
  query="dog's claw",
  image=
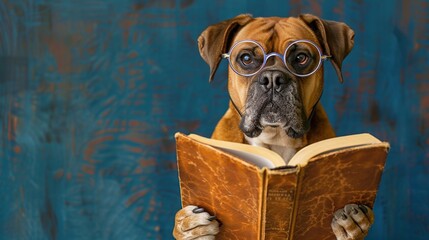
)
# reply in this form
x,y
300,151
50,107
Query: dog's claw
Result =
x,y
363,208
352,222
194,222
198,210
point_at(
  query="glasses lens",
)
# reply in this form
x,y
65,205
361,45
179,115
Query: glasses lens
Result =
x,y
246,58
302,58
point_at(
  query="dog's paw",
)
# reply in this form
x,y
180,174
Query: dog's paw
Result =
x,y
352,222
193,222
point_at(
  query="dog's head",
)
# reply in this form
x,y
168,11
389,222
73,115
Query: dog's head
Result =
x,y
276,73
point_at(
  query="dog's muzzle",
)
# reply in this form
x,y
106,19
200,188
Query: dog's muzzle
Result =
x,y
273,100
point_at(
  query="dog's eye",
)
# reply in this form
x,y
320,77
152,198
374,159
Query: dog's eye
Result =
x,y
301,59
246,59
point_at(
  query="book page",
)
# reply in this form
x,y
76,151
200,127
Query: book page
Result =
x,y
249,157
333,144
259,156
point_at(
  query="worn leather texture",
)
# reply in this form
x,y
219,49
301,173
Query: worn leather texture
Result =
x,y
223,185
331,181
290,203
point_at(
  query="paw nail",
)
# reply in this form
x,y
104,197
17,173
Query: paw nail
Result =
x,y
198,210
363,208
344,216
211,218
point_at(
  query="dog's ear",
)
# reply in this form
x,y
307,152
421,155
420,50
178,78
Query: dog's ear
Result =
x,y
216,40
337,39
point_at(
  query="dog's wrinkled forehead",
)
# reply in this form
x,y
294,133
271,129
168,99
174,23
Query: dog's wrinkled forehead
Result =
x,y
280,32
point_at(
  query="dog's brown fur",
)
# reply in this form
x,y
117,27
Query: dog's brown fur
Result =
x,y
306,27
336,40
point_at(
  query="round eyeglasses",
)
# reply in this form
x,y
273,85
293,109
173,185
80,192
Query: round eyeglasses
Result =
x,y
302,57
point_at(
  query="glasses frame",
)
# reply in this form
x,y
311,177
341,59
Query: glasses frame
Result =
x,y
281,56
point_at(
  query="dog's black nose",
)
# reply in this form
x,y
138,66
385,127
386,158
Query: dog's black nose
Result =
x,y
273,79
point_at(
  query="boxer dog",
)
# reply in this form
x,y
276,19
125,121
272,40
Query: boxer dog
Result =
x,y
275,81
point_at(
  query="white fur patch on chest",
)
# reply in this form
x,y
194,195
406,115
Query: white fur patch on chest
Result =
x,y
276,139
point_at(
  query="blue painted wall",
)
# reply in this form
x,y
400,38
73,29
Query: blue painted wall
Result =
x,y
92,92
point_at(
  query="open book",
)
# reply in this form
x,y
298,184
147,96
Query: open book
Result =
x,y
263,157
256,196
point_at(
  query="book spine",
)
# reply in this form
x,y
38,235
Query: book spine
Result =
x,y
280,196
295,203
263,204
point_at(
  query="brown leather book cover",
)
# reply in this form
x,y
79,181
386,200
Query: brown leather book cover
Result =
x,y
284,203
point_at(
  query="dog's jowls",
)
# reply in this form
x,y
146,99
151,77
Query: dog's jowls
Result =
x,y
275,107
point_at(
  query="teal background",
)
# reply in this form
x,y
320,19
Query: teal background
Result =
x,y
92,92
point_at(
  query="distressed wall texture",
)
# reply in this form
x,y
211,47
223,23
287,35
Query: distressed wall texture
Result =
x,y
92,92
